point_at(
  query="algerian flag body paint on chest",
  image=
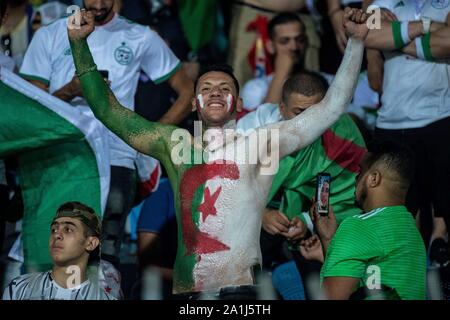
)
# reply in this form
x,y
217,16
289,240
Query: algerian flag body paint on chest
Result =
x,y
219,229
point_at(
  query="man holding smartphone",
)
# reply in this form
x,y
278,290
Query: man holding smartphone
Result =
x,y
379,253
323,193
122,48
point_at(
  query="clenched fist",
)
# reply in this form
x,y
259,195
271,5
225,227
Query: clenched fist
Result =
x,y
80,25
355,25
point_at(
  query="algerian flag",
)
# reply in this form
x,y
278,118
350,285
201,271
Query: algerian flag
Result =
x,y
63,156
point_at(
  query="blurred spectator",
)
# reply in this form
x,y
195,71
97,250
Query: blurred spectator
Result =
x,y
287,45
379,254
157,234
415,109
120,48
47,13
245,12
163,18
16,31
75,238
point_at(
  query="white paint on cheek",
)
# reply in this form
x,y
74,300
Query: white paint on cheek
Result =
x,y
230,102
200,101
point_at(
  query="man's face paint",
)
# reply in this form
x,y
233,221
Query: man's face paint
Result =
x,y
200,102
230,103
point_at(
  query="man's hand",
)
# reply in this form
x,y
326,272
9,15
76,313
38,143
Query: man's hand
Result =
x,y
75,87
275,222
297,230
311,249
325,226
338,27
354,22
80,25
70,90
284,61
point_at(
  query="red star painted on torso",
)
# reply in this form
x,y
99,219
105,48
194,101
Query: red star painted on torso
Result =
x,y
207,208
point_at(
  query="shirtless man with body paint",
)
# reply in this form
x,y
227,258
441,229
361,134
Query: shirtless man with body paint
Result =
x,y
219,205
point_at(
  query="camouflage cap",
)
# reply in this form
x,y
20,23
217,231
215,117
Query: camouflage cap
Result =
x,y
85,214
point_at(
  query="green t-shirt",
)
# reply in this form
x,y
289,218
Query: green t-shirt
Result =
x,y
380,247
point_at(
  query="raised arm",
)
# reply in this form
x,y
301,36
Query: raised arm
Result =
x,y
146,137
304,129
394,34
435,47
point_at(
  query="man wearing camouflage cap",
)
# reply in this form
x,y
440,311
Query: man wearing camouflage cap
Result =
x,y
74,239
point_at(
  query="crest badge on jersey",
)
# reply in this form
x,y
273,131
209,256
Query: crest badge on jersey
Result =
x,y
440,4
123,54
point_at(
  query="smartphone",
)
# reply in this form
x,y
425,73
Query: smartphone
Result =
x,y
104,73
323,193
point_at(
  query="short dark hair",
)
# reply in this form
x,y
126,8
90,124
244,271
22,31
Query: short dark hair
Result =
x,y
282,18
395,157
305,83
225,68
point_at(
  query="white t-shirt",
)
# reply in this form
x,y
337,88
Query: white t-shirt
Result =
x,y
41,286
415,92
254,91
6,62
265,114
121,47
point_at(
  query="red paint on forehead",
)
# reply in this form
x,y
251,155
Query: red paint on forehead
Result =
x,y
195,240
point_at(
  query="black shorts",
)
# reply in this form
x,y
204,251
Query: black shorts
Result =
x,y
431,182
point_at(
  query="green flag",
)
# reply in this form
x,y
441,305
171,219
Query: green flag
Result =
x,y
63,156
198,20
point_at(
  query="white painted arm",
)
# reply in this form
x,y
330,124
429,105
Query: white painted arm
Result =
x,y
304,129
